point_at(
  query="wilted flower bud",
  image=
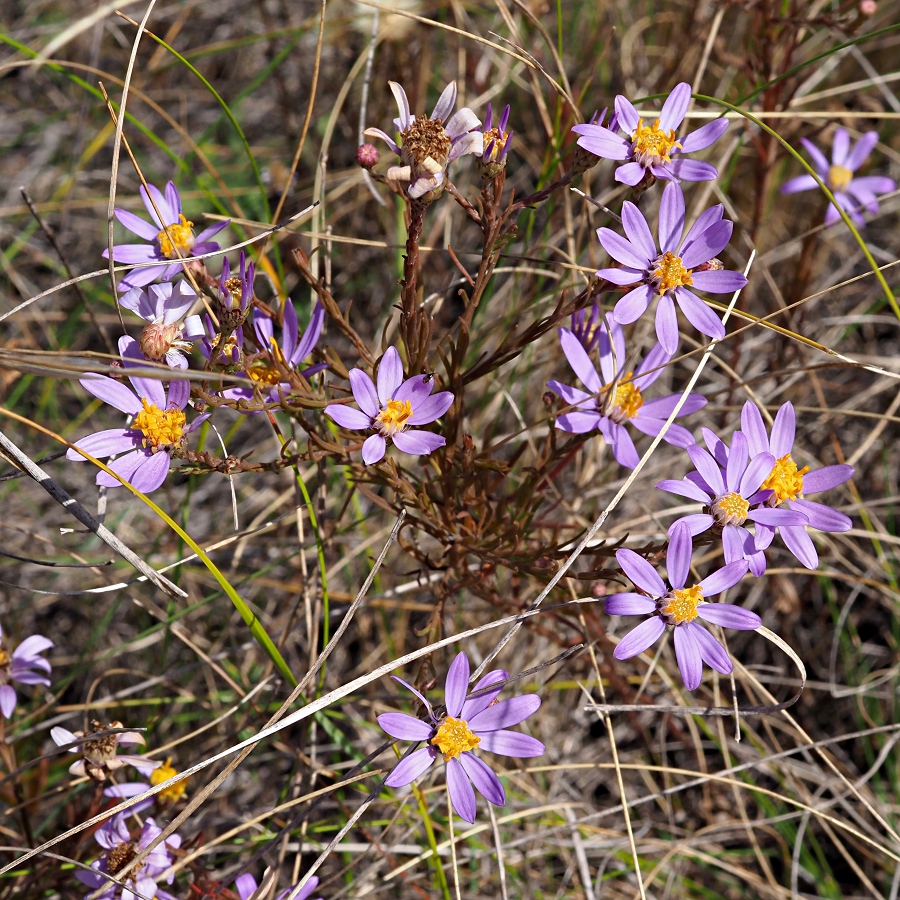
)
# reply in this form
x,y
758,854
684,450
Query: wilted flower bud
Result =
x,y
367,156
713,265
157,340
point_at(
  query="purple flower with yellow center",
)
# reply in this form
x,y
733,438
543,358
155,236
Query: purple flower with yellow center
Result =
x,y
670,272
25,665
99,757
170,237
496,144
120,849
789,484
680,606
158,429
270,366
428,146
392,408
247,887
730,484
615,397
653,148
852,193
165,338
466,722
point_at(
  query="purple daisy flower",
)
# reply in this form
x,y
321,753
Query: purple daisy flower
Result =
x,y
730,485
465,722
668,273
162,306
615,398
788,484
246,886
852,194
25,665
158,430
115,839
155,772
232,352
268,367
428,146
392,408
167,238
680,606
651,148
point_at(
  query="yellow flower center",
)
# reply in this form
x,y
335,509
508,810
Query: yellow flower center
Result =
x,y
680,607
839,177
786,480
453,737
671,273
174,792
393,417
499,138
162,428
4,660
652,145
730,509
177,235
264,374
627,402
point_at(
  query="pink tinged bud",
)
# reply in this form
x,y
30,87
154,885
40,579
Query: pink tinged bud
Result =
x,y
157,340
367,156
868,7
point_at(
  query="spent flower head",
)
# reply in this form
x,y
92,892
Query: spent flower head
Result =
x,y
169,238
120,849
391,409
158,429
679,606
853,193
427,146
788,484
653,150
731,485
670,272
99,755
615,396
468,720
165,338
24,665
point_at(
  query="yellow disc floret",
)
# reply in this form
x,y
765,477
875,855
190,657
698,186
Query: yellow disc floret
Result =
x,y
177,235
839,177
163,429
627,402
670,273
174,792
786,480
730,509
453,737
393,416
680,607
652,145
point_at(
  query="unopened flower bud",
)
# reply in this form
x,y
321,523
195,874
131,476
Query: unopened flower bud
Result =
x,y
367,156
868,8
